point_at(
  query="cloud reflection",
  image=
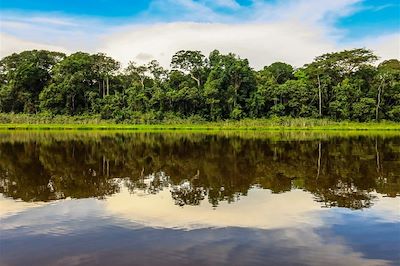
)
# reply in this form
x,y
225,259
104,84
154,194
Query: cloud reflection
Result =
x,y
260,209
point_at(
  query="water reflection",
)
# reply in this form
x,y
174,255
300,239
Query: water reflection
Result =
x,y
199,199
343,172
262,228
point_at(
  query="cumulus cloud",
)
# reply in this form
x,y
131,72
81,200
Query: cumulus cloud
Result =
x,y
261,43
37,31
224,3
385,46
310,11
293,31
10,44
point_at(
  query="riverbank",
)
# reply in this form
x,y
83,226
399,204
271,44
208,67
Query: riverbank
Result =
x,y
39,122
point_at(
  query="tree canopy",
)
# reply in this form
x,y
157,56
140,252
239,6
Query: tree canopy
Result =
x,y
344,85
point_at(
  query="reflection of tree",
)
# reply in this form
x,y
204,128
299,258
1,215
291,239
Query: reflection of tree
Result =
x,y
187,194
338,171
278,182
150,184
344,195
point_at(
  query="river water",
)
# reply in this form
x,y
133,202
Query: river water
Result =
x,y
278,198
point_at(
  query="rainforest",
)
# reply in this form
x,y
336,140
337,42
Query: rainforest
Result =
x,y
349,85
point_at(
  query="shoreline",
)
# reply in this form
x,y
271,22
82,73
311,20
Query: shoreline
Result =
x,y
205,127
82,122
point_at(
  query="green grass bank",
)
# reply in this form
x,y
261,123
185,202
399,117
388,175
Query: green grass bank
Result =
x,y
41,122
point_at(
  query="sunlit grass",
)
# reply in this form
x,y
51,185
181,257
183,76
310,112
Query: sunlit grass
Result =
x,y
32,122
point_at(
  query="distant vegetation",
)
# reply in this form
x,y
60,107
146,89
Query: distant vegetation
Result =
x,y
340,86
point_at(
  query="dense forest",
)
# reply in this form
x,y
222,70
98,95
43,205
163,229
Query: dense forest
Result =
x,y
345,85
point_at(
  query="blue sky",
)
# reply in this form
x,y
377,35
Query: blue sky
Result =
x,y
91,25
372,18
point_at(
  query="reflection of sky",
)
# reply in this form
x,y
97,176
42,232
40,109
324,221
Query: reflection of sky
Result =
x,y
259,209
260,228
9,206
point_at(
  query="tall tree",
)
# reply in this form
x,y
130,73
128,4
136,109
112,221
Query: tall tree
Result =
x,y
232,80
190,62
388,87
138,73
105,67
23,77
330,69
281,72
73,78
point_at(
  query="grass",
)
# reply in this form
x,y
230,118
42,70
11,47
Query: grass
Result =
x,y
40,122
49,136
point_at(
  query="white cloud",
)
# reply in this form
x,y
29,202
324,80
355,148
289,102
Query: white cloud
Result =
x,y
180,10
261,43
232,4
293,31
304,10
385,46
10,44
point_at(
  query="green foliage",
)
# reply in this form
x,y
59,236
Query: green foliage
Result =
x,y
281,72
22,78
339,86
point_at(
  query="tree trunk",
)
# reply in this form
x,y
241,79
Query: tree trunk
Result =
x,y
103,166
378,100
319,97
108,86
378,161
196,79
108,167
73,103
104,91
142,82
237,85
319,159
235,98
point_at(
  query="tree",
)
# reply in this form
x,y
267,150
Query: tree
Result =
x,y
388,87
73,78
330,69
190,62
137,73
343,85
296,97
281,72
158,72
105,67
23,77
230,83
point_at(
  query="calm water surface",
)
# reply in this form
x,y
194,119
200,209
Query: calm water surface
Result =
x,y
199,199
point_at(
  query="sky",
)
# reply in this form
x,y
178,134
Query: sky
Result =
x,y
264,31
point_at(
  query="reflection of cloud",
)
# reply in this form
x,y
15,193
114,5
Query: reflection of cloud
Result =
x,y
285,247
9,207
55,218
238,236
120,244
306,247
385,209
260,209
